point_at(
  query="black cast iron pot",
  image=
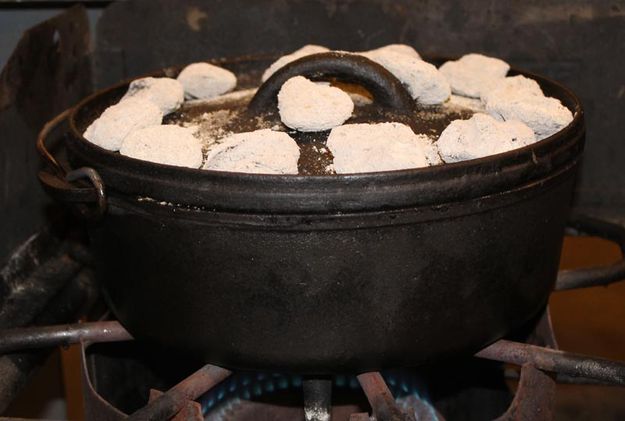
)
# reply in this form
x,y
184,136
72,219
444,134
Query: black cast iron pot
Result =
x,y
322,274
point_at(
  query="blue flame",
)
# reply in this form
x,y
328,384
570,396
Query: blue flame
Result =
x,y
246,386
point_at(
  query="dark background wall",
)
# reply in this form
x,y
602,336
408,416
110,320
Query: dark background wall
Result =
x,y
15,20
38,67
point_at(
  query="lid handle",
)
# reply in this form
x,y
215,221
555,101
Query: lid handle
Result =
x,y
387,90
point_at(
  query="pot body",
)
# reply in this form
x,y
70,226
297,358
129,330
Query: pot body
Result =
x,y
325,274
335,292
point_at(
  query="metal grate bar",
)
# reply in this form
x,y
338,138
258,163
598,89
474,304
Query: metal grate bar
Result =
x,y
61,335
171,402
567,363
381,399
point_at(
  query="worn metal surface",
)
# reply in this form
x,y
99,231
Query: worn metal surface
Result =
x,y
385,266
572,41
584,278
174,400
330,243
386,89
575,365
266,194
71,302
57,172
27,297
48,71
301,194
527,405
50,336
36,272
41,284
534,397
191,410
380,398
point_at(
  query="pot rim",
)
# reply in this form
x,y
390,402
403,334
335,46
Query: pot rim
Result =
x,y
287,193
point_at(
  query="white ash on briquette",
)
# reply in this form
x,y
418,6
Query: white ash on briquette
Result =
x,y
306,50
423,80
164,144
480,136
473,74
164,92
520,98
511,86
486,114
116,122
425,83
464,102
404,49
311,107
206,81
359,148
260,152
310,49
544,115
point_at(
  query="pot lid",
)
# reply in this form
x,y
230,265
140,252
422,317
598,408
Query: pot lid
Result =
x,y
337,193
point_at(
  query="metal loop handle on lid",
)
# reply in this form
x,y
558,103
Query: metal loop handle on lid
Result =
x,y
386,89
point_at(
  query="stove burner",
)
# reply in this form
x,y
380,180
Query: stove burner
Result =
x,y
216,393
223,395
243,390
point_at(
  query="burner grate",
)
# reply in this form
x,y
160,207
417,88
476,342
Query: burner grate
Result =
x,y
540,368
389,396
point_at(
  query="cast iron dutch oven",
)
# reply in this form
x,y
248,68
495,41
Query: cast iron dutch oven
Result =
x,y
323,274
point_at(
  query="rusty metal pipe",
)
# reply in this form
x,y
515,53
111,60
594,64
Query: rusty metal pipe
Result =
x,y
60,335
595,276
573,365
381,399
171,402
534,398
